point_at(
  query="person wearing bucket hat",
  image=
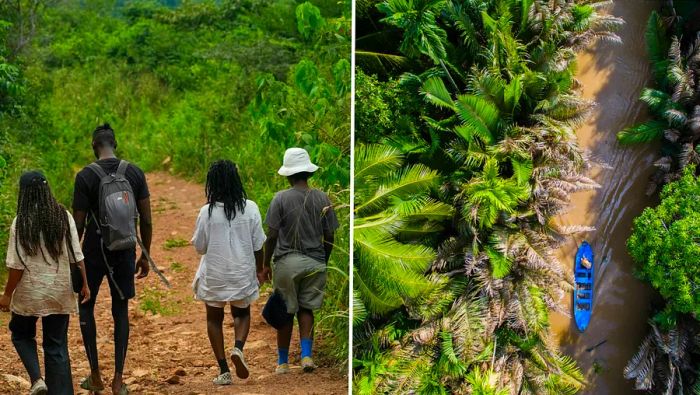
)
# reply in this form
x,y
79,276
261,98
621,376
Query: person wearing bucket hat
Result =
x,y
301,231
43,248
296,160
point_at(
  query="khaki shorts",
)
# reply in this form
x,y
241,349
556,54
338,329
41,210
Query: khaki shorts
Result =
x,y
301,281
241,304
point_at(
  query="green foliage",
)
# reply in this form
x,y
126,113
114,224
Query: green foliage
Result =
x,y
483,94
389,199
175,243
177,267
184,85
309,20
157,301
673,100
664,244
658,44
643,133
485,383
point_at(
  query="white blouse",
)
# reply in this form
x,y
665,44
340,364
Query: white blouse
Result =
x,y
227,269
45,287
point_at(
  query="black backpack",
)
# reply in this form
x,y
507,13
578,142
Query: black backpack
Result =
x,y
118,213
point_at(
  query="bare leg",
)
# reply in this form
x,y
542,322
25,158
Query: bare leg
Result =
x,y
215,322
284,336
306,323
241,323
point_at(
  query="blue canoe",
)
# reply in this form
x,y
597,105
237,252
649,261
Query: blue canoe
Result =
x,y
583,287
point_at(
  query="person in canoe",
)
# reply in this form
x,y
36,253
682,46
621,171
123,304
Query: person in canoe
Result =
x,y
586,263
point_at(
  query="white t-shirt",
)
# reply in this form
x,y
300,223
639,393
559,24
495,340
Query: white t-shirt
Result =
x,y
45,288
227,268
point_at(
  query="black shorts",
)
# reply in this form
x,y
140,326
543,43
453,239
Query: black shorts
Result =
x,y
123,264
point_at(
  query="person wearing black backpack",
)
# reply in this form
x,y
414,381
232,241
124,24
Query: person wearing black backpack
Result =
x,y
110,197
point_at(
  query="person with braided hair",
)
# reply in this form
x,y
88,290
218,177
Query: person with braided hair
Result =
x,y
43,247
229,236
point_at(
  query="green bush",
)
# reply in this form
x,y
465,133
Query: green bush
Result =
x,y
665,244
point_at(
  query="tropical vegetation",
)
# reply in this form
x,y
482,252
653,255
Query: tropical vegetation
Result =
x,y
182,84
465,115
662,244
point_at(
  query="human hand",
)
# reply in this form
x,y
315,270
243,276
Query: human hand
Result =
x,y
85,293
5,302
264,275
142,267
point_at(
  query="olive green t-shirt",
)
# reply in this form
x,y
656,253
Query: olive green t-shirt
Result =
x,y
301,216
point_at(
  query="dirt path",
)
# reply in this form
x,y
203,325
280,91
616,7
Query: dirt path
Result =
x,y
176,339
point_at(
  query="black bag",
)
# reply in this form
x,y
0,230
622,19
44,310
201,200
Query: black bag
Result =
x,y
275,311
76,278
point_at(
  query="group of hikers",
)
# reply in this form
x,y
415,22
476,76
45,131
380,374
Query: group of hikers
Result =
x,y
50,273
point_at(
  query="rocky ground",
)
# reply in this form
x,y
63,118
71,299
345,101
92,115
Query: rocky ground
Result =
x,y
169,351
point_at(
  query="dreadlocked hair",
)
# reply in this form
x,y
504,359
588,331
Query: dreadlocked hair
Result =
x,y
224,186
40,217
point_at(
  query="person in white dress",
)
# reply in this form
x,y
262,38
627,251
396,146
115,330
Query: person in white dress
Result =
x,y
43,249
230,238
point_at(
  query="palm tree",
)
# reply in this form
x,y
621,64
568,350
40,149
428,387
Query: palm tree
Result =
x,y
487,196
503,139
673,104
666,361
393,209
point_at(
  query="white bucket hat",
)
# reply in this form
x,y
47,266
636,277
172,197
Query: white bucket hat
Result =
x,y
296,160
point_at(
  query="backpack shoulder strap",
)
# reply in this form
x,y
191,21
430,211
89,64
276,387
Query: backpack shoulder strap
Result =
x,y
121,170
97,169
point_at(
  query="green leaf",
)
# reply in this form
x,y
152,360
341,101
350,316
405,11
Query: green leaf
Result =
x,y
376,160
522,170
479,118
500,264
412,180
341,75
436,93
309,20
643,133
306,76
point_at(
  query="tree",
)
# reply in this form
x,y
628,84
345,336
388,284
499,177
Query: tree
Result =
x,y
665,244
673,102
667,359
497,123
393,209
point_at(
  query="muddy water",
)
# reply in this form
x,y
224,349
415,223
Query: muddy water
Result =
x,y
612,75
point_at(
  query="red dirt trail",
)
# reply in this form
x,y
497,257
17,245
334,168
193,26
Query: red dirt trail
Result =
x,y
175,341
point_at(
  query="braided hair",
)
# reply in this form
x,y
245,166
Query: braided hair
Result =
x,y
40,218
224,185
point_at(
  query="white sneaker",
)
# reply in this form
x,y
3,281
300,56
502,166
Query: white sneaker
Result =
x,y
223,379
239,363
307,364
39,388
282,369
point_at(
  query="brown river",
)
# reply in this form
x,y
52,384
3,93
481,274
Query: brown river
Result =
x,y
612,75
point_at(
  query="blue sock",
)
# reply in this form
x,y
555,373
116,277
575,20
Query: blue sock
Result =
x,y
306,347
282,355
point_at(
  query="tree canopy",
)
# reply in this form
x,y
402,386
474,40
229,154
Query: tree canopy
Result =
x,y
665,244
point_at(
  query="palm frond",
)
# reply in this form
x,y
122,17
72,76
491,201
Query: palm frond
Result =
x,y
642,133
